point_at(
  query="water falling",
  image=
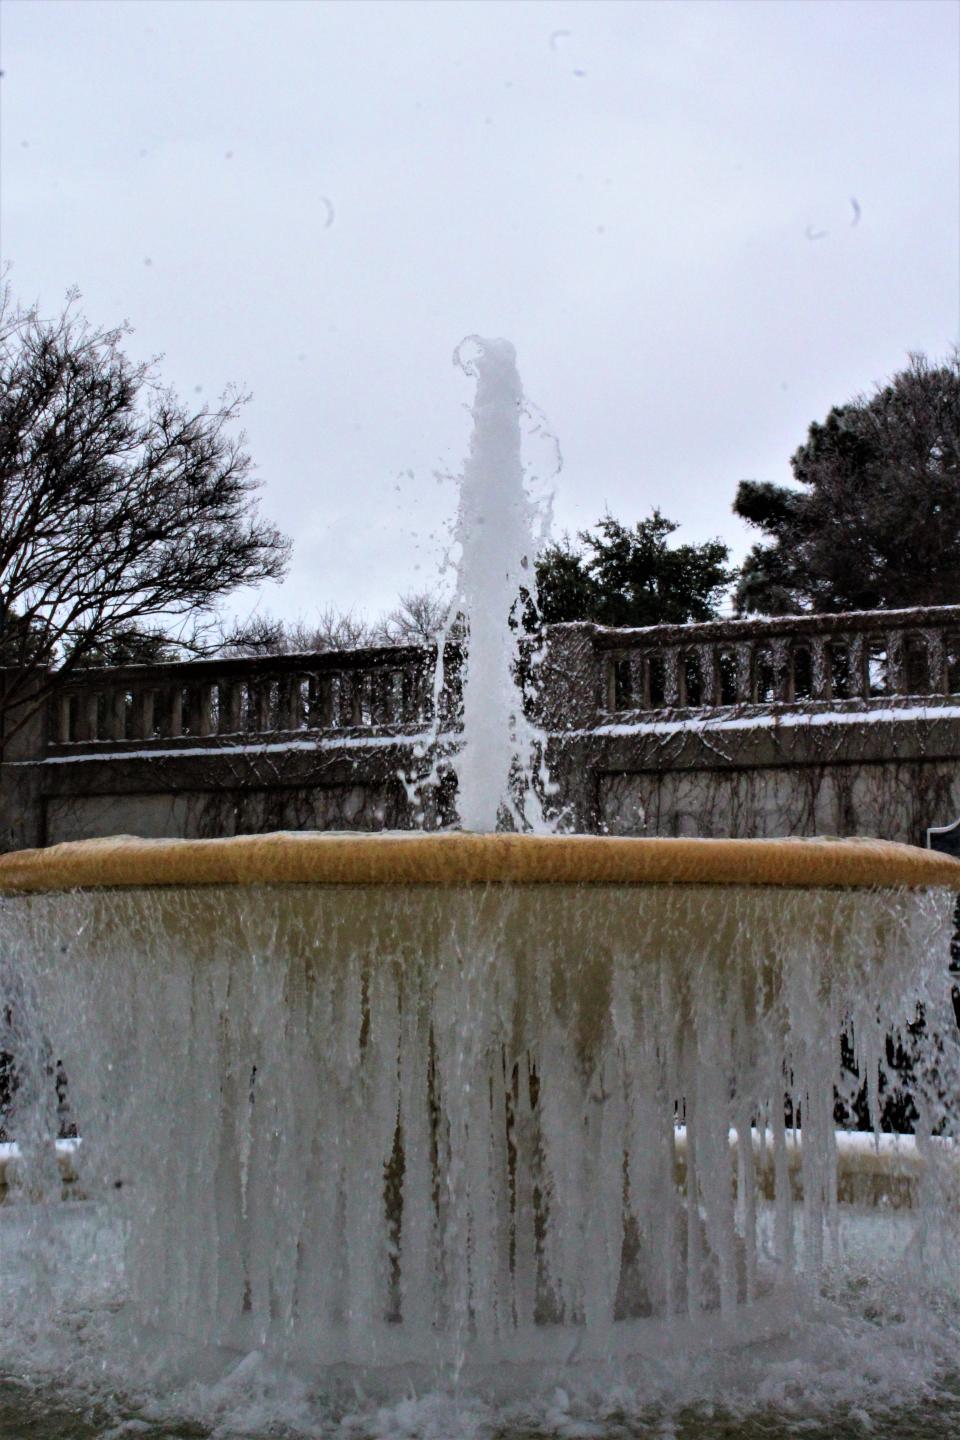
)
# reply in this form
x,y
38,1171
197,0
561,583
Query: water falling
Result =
x,y
430,1124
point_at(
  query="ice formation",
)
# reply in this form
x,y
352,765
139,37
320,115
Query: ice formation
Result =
x,y
422,1123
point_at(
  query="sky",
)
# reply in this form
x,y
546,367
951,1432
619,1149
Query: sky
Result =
x,y
701,222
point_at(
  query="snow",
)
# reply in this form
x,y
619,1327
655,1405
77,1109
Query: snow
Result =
x,y
790,720
694,725
321,741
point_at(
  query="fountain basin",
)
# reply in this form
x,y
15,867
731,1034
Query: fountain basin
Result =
x,y
395,1096
457,858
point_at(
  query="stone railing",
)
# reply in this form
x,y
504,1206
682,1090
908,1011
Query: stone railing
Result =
x,y
737,727
858,660
232,701
863,658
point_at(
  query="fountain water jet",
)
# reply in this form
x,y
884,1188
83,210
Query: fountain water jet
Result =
x,y
499,529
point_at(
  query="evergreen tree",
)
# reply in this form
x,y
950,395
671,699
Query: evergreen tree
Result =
x,y
631,575
875,523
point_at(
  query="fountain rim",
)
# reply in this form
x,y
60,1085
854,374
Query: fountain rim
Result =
x,y
460,858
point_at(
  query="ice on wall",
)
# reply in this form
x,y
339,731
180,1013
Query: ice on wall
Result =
x,y
427,1124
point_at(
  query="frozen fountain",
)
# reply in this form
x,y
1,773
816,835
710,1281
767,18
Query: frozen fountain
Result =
x,y
439,1100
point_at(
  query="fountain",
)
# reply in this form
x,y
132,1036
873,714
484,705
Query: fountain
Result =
x,y
443,1101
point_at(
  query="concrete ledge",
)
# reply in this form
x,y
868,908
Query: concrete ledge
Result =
x,y
456,858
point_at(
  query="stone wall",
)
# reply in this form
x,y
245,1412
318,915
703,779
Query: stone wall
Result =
x,y
796,726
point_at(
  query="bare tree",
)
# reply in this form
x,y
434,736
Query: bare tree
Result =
x,y
122,512
417,619
331,629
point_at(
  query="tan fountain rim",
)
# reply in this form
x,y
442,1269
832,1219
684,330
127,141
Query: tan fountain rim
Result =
x,y
454,858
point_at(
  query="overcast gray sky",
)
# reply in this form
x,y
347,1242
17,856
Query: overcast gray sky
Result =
x,y
652,200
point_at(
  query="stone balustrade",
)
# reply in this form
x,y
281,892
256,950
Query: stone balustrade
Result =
x,y
864,657
233,701
860,659
827,724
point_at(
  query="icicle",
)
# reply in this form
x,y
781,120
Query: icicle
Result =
x,y
367,1126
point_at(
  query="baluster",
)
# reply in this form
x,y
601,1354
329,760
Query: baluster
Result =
x,y
671,676
252,709
610,684
320,702
896,680
412,707
744,654
392,697
87,714
936,661
777,650
175,693
64,731
115,717
203,709
230,707
857,661
407,694
258,707
454,674
249,710
709,673
351,698
288,702
425,678
368,694
384,698
450,700
300,702
635,670
345,700
378,697
819,668
142,718
728,675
